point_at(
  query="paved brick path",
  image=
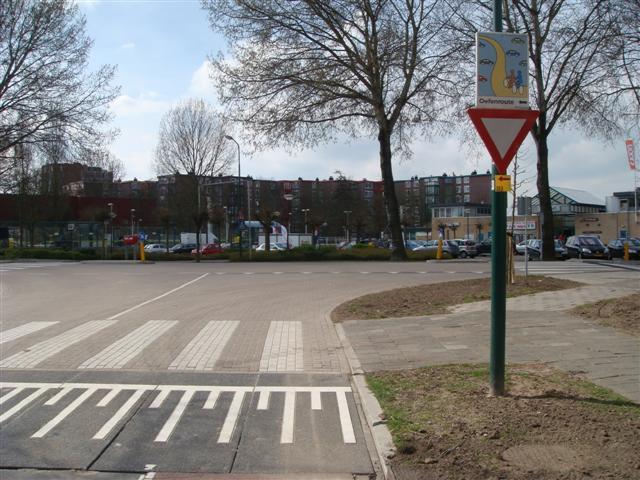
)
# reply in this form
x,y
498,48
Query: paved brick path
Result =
x,y
539,329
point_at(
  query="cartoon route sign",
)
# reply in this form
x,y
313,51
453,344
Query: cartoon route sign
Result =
x,y
502,76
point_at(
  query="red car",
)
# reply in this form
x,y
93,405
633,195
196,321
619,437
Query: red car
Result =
x,y
209,249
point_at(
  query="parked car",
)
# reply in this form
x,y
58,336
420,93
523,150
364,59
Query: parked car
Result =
x,y
467,248
534,249
586,246
155,248
483,247
448,246
182,248
415,246
616,248
279,247
520,247
208,249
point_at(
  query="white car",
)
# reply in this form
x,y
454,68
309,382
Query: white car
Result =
x,y
274,247
155,248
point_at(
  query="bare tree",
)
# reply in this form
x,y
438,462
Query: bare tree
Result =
x,y
45,89
573,78
302,71
626,50
192,142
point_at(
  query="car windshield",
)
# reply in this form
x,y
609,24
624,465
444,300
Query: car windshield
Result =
x,y
590,241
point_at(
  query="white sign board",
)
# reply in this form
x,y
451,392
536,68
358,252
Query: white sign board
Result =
x,y
502,76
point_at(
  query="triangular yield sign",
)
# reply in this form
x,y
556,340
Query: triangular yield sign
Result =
x,y
502,131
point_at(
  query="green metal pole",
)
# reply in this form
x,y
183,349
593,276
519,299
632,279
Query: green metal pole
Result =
x,y
498,268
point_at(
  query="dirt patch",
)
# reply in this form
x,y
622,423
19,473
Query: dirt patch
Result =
x,y
435,298
550,426
619,313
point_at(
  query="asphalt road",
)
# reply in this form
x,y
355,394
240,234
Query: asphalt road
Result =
x,y
174,367
212,368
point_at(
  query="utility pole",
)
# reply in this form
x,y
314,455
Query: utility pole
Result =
x,y
498,267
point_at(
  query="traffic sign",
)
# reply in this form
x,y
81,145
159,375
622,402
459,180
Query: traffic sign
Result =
x,y
502,76
502,183
502,131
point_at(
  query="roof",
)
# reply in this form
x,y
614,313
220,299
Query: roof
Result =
x,y
579,196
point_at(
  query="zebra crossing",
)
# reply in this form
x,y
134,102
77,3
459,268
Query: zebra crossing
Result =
x,y
282,350
13,266
24,394
565,268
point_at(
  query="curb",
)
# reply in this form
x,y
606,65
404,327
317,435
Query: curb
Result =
x,y
380,434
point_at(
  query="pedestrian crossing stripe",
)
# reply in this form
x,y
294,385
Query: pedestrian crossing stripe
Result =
x,y
10,267
282,350
188,391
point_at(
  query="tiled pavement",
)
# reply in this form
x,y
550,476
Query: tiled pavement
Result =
x,y
539,329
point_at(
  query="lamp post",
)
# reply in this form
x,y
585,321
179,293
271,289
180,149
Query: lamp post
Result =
x,y
467,212
306,211
111,217
288,197
226,225
348,225
133,247
238,197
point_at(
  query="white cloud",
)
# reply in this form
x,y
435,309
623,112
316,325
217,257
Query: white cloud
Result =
x,y
146,103
201,85
128,45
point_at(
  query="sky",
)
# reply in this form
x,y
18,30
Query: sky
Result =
x,y
161,48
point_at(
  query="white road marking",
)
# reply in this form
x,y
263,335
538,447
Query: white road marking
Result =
x,y
282,350
203,351
288,417
106,400
345,418
135,307
174,418
277,273
188,391
119,353
39,352
160,398
263,401
211,401
23,403
58,396
232,417
122,411
22,330
64,413
10,395
316,400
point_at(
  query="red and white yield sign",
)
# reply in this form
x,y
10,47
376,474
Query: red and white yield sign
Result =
x,y
502,131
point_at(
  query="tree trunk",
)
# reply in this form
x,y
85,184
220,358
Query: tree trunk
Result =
x,y
544,196
390,199
267,236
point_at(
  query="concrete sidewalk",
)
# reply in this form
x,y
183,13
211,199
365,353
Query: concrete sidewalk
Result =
x,y
539,329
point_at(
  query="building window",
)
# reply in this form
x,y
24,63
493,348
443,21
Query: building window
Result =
x,y
466,189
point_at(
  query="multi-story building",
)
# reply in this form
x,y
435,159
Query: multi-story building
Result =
x,y
75,179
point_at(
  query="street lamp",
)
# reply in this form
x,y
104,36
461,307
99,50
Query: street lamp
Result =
x,y
226,224
238,197
467,212
288,197
306,211
111,217
133,211
347,213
